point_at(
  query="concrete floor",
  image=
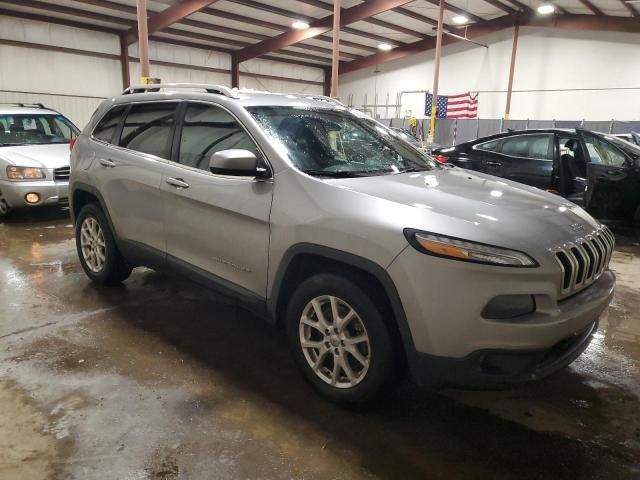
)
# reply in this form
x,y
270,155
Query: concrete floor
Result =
x,y
160,379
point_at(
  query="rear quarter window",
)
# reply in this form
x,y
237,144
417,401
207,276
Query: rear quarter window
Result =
x,y
490,146
107,127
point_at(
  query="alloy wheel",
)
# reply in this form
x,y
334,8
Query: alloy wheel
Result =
x,y
334,341
92,244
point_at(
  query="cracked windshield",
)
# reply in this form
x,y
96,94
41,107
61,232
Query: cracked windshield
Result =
x,y
337,143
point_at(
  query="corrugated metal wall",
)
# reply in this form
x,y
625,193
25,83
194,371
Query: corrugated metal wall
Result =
x,y
74,84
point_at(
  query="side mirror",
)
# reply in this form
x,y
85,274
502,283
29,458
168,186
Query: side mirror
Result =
x,y
241,163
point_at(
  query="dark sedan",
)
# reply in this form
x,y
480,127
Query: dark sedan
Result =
x,y
595,170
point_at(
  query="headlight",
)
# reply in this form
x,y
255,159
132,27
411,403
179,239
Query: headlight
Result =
x,y
24,173
458,249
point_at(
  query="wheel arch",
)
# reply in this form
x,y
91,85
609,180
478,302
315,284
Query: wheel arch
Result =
x,y
83,193
303,260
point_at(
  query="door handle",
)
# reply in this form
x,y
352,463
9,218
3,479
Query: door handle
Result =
x,y
107,163
493,163
613,172
177,182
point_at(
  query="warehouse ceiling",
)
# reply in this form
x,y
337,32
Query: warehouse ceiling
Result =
x,y
262,28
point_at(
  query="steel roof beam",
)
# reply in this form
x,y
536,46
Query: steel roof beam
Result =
x,y
459,11
592,7
565,22
631,8
318,27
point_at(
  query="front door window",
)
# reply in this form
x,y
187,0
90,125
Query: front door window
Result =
x,y
602,152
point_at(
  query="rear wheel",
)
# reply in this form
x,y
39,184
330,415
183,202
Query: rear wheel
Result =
x,y
97,249
339,338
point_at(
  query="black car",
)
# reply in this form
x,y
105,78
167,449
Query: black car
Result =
x,y
597,171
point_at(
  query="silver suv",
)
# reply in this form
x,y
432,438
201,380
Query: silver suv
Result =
x,y
373,258
34,156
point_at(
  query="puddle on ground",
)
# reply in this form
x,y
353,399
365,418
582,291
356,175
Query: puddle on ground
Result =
x,y
28,451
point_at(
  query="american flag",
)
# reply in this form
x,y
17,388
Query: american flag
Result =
x,y
464,105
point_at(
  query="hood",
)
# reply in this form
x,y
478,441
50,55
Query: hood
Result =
x,y
44,156
475,206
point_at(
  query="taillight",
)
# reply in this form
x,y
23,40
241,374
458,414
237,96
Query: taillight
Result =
x,y
440,158
72,143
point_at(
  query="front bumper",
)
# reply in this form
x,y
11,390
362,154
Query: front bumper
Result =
x,y
498,368
51,192
452,342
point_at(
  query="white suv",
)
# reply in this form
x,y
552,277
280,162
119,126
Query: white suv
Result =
x,y
34,156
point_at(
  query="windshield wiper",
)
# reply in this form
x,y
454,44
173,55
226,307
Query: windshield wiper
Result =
x,y
416,169
336,174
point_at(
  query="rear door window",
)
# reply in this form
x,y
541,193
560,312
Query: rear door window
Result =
x,y
538,146
148,128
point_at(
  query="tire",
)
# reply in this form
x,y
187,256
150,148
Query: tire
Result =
x,y
369,362
99,255
4,208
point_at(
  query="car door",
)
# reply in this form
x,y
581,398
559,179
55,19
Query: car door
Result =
x,y
526,158
570,177
610,178
217,226
129,168
481,156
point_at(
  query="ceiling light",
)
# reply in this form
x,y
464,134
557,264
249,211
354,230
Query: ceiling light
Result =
x,y
300,25
546,9
460,19
385,47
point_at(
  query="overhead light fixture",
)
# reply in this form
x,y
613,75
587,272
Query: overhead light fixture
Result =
x,y
385,47
460,19
546,9
300,25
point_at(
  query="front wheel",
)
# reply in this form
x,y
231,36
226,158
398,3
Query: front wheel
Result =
x,y
339,338
4,208
97,249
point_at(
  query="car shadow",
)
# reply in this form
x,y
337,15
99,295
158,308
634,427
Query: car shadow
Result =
x,y
37,216
405,433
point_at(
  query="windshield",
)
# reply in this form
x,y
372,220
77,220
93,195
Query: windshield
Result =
x,y
338,143
35,129
403,134
628,147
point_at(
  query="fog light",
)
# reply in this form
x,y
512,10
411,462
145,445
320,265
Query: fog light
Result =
x,y
32,198
504,307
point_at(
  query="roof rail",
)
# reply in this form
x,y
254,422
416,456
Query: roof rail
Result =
x,y
21,104
215,89
326,98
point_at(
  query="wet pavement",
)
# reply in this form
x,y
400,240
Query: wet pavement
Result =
x,y
160,379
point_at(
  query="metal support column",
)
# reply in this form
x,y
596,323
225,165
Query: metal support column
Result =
x,y
143,40
335,57
124,62
512,67
326,83
436,73
235,72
